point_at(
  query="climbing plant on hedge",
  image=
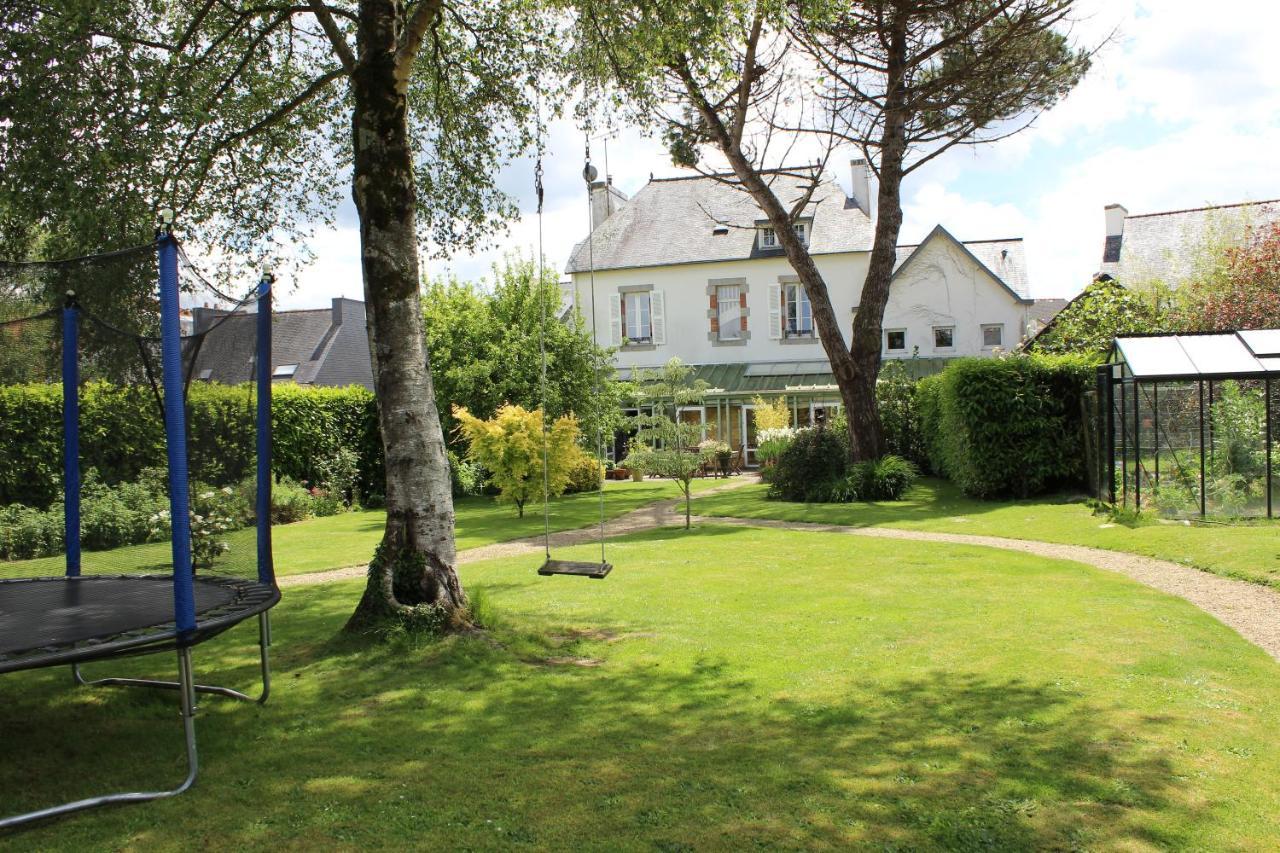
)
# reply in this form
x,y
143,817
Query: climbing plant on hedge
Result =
x,y
1007,426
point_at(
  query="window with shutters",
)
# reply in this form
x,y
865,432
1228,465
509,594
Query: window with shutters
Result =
x,y
797,314
637,318
729,312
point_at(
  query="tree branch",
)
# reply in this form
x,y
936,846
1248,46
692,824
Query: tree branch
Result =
x,y
420,21
340,46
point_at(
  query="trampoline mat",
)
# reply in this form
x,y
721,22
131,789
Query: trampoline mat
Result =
x,y
48,613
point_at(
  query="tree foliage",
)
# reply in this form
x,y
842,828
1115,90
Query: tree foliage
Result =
x,y
484,342
1241,291
1102,312
670,445
511,447
246,118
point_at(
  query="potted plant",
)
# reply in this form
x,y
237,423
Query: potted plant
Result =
x,y
638,462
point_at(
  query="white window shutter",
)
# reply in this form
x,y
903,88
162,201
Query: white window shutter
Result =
x,y
615,320
658,317
775,311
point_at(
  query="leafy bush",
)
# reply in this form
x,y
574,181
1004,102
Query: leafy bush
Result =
x,y
586,474
1006,426
886,479
812,467
466,478
896,396
290,501
27,532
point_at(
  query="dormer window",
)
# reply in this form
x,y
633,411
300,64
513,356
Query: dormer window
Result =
x,y
769,237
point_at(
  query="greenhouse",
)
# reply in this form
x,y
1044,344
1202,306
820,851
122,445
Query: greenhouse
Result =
x,y
1187,422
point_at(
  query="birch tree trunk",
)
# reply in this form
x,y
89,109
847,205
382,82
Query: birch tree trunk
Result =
x,y
414,566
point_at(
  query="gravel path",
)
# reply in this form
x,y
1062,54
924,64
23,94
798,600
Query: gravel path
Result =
x,y
1250,609
660,514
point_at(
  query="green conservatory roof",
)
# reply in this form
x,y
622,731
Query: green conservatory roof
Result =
x,y
781,377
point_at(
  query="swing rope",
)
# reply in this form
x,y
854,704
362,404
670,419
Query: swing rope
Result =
x,y
550,566
542,349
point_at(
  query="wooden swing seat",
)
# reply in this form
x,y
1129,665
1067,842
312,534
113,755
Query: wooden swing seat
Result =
x,y
575,567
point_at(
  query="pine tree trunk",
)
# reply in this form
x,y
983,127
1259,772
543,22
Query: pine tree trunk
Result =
x,y
414,566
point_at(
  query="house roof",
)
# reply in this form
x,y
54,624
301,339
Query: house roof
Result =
x,y
326,346
1003,259
1043,311
1163,246
1254,353
671,221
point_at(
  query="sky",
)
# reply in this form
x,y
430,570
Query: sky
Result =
x,y
1181,109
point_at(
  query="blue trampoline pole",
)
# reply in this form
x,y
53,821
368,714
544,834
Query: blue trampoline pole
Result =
x,y
71,433
175,428
266,571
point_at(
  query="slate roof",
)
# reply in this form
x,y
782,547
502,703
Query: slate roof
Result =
x,y
1004,259
671,221
1042,311
329,346
1162,246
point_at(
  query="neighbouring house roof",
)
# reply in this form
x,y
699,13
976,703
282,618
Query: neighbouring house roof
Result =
x,y
783,377
673,220
325,346
1254,353
1162,246
1004,259
1042,311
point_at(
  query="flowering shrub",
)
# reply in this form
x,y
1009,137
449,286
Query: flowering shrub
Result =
x,y
770,443
213,515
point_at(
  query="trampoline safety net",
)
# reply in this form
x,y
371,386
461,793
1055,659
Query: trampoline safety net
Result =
x,y
87,472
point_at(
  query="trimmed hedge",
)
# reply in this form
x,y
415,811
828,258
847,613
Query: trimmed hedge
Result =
x,y
121,433
1000,427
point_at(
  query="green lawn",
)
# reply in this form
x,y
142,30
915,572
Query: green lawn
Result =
x,y
723,689
1248,551
349,539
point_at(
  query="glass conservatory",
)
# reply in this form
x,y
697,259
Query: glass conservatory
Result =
x,y
1186,422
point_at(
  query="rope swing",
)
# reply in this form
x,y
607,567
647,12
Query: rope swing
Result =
x,y
552,566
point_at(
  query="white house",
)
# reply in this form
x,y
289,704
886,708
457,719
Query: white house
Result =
x,y
689,268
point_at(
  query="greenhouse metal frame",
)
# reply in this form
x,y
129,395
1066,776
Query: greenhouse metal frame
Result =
x,y
1187,422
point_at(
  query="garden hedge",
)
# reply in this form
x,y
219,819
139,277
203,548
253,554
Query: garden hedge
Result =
x,y
1000,427
121,433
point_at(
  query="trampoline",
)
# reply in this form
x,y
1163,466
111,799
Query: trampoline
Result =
x,y
61,620
118,599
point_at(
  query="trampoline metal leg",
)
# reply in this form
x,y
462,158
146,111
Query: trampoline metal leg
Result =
x,y
186,687
264,644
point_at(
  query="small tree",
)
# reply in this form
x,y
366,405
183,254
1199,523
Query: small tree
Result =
x,y
510,445
673,445
772,414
